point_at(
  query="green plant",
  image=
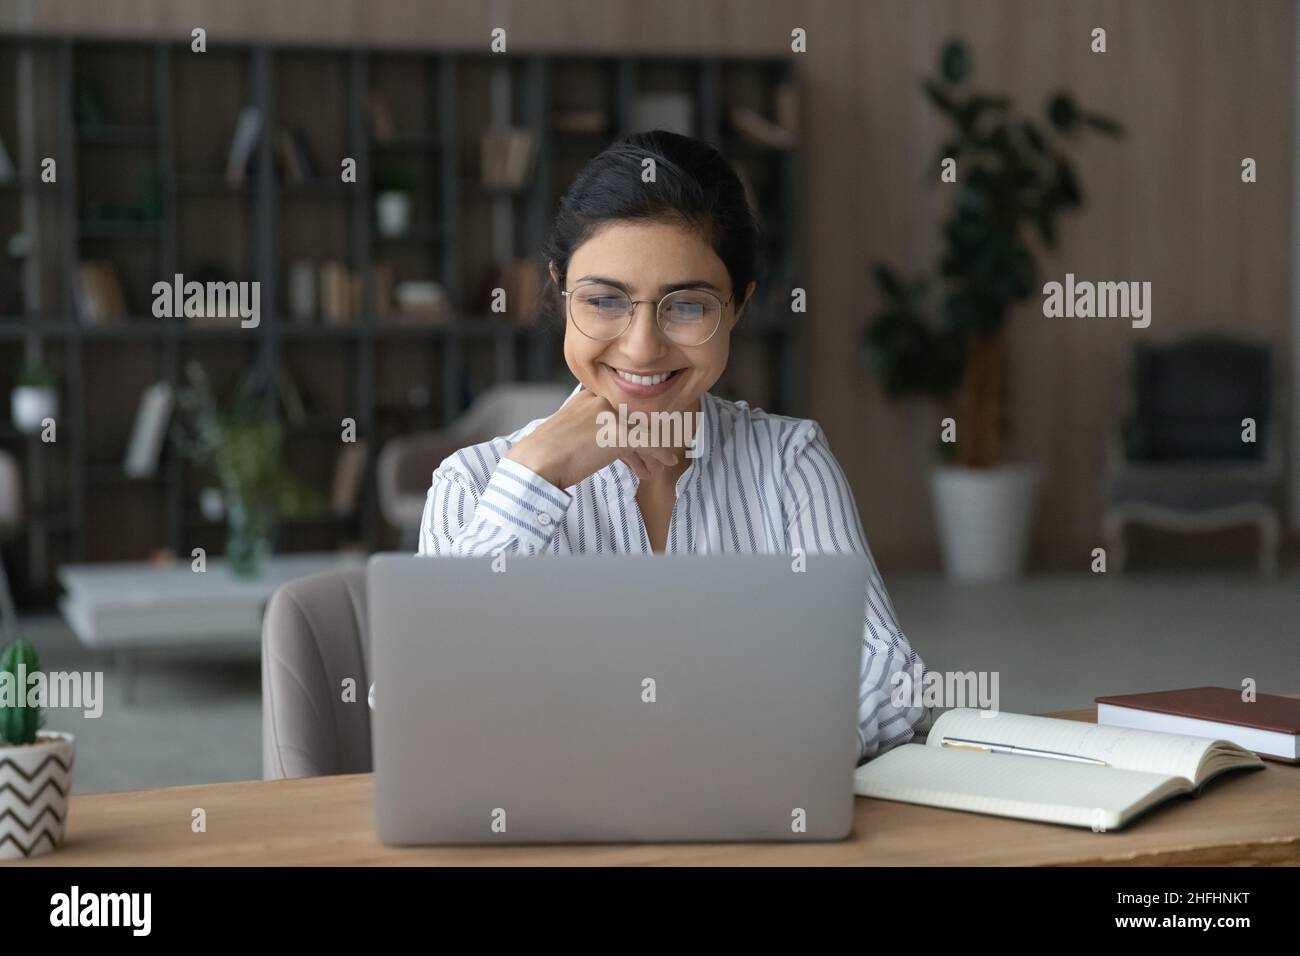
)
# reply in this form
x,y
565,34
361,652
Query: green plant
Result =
x,y
244,450
396,177
18,722
36,375
1013,181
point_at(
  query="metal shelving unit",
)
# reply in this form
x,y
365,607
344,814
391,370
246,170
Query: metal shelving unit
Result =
x,y
522,91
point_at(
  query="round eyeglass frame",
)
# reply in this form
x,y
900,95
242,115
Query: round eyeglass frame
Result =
x,y
631,313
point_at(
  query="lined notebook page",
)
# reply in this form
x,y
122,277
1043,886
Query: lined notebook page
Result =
x,y
1032,788
1169,755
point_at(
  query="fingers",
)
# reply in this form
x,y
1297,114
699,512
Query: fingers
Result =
x,y
637,465
662,457
649,462
644,461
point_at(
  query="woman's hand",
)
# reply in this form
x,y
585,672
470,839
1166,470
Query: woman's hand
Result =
x,y
564,451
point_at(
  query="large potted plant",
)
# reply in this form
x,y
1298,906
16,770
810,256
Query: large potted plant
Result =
x,y
35,765
942,336
244,450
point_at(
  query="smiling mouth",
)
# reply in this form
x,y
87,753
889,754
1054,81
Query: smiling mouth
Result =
x,y
653,378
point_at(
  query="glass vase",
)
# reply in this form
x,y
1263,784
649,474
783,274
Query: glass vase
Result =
x,y
249,537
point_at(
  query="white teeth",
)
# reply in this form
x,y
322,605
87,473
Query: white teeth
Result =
x,y
643,379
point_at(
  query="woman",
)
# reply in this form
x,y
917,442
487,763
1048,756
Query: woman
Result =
x,y
653,265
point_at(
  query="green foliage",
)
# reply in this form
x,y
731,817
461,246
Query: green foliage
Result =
x,y
19,723
905,348
242,447
37,375
396,177
1013,183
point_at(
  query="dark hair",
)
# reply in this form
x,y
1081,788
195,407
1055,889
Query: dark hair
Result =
x,y
694,185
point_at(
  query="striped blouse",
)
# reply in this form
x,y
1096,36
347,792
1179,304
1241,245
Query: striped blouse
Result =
x,y
759,483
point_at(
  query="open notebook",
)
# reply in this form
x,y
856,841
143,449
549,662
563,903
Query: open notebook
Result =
x,y
1141,769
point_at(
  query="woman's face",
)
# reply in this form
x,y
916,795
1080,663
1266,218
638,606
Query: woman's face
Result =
x,y
648,260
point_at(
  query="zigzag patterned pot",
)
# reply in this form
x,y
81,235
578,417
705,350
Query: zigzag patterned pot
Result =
x,y
35,781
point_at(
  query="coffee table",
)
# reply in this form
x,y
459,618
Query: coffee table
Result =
x,y
126,607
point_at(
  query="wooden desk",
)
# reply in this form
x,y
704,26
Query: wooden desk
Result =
x,y
1247,817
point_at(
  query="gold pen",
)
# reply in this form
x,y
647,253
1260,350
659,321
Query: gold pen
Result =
x,y
961,743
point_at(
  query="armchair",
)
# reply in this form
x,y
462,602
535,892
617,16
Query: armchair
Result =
x,y
1180,462
405,466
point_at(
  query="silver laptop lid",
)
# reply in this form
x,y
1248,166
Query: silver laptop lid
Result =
x,y
613,699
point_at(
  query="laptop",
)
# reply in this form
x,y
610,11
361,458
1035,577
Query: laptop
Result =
x,y
590,698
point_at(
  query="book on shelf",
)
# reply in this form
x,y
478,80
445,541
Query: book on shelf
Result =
x,y
303,291
8,173
524,290
482,295
349,470
145,446
248,130
580,121
420,300
1048,769
383,279
382,127
336,293
11,494
507,156
521,278
286,158
757,128
306,156
295,157
97,294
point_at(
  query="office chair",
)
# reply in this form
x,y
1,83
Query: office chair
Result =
x,y
1179,463
315,635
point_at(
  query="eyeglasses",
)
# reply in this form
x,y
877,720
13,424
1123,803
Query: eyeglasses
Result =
x,y
687,317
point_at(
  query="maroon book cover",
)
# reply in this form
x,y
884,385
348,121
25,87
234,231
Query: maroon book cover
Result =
x,y
1220,704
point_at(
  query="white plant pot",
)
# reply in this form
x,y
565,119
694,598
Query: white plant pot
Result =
x,y
29,405
35,781
984,517
393,213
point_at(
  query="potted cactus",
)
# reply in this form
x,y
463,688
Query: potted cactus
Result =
x,y
35,765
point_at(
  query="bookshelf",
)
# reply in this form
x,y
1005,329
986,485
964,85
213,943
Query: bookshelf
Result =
x,y
141,131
